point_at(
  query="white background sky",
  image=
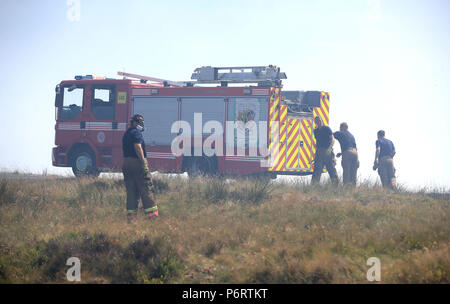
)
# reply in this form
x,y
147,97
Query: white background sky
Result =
x,y
385,64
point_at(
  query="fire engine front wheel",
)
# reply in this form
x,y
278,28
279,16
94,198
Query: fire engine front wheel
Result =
x,y
83,164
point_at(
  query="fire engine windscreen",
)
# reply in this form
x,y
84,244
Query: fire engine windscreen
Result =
x,y
72,102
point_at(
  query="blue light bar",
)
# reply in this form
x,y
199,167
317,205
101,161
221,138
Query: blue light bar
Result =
x,y
79,77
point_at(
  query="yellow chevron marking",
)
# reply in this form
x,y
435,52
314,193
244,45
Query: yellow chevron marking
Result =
x,y
295,130
303,156
283,115
292,164
282,149
325,120
293,149
280,166
293,136
275,115
282,142
324,110
327,101
293,145
291,161
305,137
276,162
283,126
292,141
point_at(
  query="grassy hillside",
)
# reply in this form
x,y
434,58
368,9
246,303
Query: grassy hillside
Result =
x,y
213,231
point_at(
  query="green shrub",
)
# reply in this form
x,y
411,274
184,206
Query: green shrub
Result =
x,y
8,192
253,192
216,190
142,261
160,185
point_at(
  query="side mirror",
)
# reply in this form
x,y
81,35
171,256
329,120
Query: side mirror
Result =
x,y
58,96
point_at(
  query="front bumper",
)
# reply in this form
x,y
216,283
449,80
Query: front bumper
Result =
x,y
59,157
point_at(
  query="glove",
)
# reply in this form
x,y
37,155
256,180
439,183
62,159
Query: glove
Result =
x,y
145,168
375,165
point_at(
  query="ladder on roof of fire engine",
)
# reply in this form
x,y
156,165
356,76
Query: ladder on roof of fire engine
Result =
x,y
148,78
263,75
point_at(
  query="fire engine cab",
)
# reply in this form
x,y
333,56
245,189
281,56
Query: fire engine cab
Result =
x,y
225,120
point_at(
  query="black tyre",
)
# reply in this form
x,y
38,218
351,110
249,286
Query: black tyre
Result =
x,y
201,166
83,163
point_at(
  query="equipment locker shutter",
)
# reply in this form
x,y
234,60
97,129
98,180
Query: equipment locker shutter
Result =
x,y
159,115
241,105
211,109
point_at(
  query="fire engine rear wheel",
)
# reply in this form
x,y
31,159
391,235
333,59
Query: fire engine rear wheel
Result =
x,y
202,166
83,164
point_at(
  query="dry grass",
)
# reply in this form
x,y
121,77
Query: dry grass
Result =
x,y
216,231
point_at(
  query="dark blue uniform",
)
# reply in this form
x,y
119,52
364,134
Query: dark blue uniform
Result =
x,y
350,162
324,156
386,169
386,147
346,140
132,136
322,136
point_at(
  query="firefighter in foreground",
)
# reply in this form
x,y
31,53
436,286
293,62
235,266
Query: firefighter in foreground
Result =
x,y
324,153
384,154
138,181
350,162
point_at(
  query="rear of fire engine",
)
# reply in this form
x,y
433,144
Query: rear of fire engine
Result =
x,y
218,108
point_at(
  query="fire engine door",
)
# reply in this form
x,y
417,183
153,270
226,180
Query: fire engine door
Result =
x,y
101,126
299,144
103,102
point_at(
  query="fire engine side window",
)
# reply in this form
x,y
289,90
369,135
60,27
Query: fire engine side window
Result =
x,y
72,102
102,105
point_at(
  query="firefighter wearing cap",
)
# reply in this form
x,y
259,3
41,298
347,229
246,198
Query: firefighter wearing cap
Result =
x,y
384,155
324,152
350,162
138,181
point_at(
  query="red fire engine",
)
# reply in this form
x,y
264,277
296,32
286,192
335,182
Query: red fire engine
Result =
x,y
241,110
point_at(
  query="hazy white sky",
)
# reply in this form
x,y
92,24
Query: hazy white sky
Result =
x,y
385,64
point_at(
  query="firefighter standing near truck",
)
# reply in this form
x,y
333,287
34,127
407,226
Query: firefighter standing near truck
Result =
x,y
384,155
138,181
324,152
350,162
